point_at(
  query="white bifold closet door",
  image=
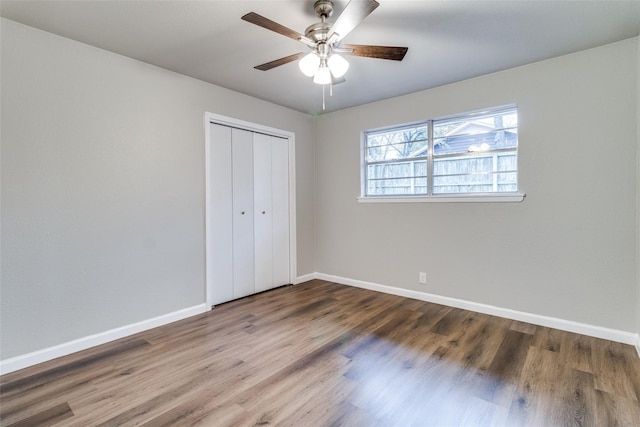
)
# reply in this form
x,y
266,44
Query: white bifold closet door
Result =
x,y
242,214
249,215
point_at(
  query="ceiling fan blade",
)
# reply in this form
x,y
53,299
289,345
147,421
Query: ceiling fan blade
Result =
x,y
273,64
267,23
337,81
394,53
350,17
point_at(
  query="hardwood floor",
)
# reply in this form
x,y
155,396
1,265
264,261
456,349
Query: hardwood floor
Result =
x,y
323,354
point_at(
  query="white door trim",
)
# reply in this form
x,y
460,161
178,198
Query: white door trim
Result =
x,y
210,118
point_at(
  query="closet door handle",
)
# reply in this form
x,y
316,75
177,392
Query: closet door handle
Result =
x,y
263,212
242,213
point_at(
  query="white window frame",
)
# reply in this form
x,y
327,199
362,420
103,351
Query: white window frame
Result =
x,y
491,197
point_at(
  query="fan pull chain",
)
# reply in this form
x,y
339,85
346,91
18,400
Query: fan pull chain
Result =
x,y
323,105
330,94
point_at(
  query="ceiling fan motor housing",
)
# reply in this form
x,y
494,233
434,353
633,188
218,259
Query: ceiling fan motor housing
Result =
x,y
318,32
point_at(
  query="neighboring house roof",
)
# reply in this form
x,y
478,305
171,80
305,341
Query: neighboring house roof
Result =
x,y
471,135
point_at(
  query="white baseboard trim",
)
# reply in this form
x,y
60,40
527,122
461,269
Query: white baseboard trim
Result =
x,y
44,355
305,278
536,319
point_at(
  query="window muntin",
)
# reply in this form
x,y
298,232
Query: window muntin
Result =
x,y
466,154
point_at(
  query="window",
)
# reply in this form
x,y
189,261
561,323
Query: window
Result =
x,y
468,154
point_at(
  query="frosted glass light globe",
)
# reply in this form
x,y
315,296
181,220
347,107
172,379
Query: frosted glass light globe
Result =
x,y
323,76
338,65
309,64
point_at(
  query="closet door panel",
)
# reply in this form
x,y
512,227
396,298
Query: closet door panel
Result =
x,y
263,212
280,199
219,258
243,231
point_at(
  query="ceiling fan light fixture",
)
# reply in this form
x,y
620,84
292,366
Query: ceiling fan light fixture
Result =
x,y
323,76
309,64
338,65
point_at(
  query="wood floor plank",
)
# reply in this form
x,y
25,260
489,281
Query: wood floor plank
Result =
x,y
48,417
577,395
8,388
481,413
575,351
141,409
506,368
35,401
548,339
612,369
307,411
535,393
526,328
615,411
324,354
449,321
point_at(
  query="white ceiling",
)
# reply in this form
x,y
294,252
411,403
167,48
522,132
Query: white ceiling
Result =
x,y
448,40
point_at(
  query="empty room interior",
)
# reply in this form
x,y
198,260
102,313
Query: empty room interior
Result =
x,y
320,213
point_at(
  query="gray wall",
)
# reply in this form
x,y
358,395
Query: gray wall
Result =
x,y
103,188
568,251
638,195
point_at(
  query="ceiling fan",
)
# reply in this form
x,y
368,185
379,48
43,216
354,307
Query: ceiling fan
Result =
x,y
324,63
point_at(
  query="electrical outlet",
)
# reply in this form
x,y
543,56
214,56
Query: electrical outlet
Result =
x,y
422,278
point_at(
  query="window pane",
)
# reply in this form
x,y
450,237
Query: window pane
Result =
x,y
397,144
397,178
507,162
398,170
387,173
473,133
402,150
407,186
466,165
505,188
463,184
507,178
485,173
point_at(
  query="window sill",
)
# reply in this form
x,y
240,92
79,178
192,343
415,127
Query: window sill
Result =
x,y
463,198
